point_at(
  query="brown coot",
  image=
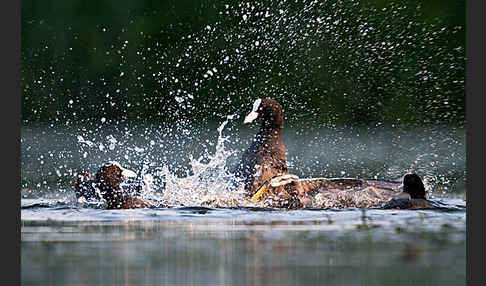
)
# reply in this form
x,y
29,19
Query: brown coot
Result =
x,y
412,197
265,158
106,184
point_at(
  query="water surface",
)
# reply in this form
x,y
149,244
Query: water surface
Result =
x,y
66,243
63,244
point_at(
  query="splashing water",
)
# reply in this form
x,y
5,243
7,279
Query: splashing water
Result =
x,y
210,184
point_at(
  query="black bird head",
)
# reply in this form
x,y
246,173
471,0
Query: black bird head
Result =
x,y
413,185
269,111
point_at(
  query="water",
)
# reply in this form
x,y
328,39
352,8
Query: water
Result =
x,y
66,245
62,241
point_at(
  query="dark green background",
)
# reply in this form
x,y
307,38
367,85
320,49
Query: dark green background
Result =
x,y
409,69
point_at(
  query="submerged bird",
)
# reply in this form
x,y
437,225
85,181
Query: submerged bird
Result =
x,y
263,169
265,158
106,184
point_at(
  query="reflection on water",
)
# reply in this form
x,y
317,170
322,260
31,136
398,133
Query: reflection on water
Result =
x,y
67,245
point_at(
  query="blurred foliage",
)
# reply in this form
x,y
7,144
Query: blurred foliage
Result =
x,y
325,61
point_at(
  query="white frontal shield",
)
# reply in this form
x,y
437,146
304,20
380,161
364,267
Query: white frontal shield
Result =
x,y
253,114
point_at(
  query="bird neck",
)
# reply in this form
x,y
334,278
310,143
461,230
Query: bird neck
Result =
x,y
267,135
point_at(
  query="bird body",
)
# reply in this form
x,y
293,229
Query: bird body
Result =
x,y
265,158
263,169
106,184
